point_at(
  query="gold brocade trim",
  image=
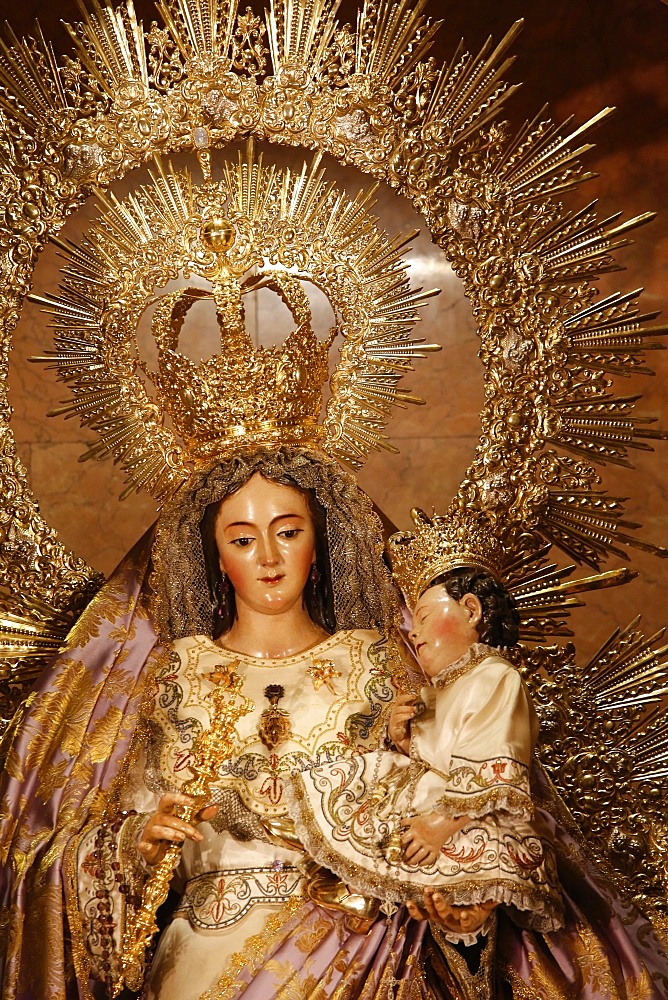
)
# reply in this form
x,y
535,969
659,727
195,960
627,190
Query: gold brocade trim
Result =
x,y
478,806
523,992
244,887
256,950
80,955
589,957
454,971
107,804
545,985
640,988
284,661
157,657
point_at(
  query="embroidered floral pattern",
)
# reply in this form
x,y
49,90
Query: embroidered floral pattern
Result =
x,y
218,899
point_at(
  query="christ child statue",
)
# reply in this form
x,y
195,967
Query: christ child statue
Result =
x,y
448,809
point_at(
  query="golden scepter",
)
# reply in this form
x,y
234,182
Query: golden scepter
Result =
x,y
210,749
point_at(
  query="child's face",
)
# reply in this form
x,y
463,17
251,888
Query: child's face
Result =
x,y
443,628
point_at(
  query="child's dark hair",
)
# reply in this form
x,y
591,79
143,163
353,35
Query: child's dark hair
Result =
x,y
500,621
318,595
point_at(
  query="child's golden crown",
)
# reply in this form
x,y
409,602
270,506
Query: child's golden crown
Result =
x,y
438,545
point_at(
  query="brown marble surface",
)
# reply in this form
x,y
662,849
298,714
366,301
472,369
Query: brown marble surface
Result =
x,y
579,57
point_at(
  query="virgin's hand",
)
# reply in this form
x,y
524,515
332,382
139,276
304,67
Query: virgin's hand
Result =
x,y
165,827
463,918
399,726
435,907
425,835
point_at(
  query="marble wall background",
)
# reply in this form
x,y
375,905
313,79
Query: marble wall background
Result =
x,y
580,58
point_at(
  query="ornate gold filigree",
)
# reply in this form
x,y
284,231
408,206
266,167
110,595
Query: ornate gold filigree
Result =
x,y
257,228
439,544
604,744
372,98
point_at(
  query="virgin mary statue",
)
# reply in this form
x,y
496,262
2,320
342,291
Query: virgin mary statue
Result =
x,y
253,633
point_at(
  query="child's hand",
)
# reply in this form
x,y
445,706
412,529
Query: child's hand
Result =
x,y
425,835
399,726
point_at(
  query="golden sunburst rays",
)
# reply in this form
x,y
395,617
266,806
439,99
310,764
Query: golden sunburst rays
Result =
x,y
609,335
39,631
579,247
279,217
92,353
566,344
543,160
628,671
583,418
393,36
589,525
32,91
601,429
470,91
604,743
375,98
545,595
299,32
32,632
110,44
201,29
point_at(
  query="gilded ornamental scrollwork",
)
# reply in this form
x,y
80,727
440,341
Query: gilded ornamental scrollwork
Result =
x,y
208,75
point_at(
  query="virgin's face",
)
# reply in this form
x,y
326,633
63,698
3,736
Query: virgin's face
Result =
x,y
443,628
266,545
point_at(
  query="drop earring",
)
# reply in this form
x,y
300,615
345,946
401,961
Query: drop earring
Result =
x,y
222,589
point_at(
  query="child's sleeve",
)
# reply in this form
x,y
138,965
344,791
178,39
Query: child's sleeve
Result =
x,y
491,756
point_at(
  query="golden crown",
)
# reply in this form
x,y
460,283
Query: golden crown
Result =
x,y
441,544
245,393
258,227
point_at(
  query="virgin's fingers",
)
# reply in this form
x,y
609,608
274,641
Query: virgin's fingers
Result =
x,y
208,812
407,698
171,799
158,833
414,910
432,913
173,824
403,714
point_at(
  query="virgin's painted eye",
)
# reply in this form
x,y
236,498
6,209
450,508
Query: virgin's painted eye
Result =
x,y
241,542
290,532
